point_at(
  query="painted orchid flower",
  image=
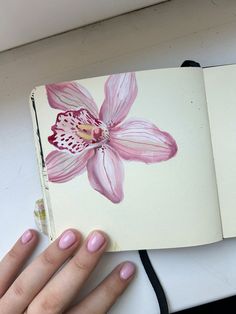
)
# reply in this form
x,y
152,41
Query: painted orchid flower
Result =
x,y
86,138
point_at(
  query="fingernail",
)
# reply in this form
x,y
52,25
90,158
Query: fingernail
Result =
x,y
95,242
127,270
68,238
26,237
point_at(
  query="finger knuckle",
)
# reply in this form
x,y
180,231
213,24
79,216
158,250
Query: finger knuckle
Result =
x,y
112,289
47,305
81,266
13,254
17,289
48,259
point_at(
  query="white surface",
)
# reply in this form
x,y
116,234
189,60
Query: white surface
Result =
x,y
25,21
160,36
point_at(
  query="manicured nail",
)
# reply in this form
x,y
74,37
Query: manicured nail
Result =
x,y
26,237
127,270
95,242
67,239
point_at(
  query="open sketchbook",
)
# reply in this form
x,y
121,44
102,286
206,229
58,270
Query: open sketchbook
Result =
x,y
148,156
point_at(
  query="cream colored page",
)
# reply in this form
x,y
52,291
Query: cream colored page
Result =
x,y
221,98
168,204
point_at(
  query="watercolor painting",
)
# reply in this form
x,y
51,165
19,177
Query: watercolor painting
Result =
x,y
86,138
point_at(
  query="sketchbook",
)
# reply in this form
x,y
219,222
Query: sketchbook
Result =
x,y
146,156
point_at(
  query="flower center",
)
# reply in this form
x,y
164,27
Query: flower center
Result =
x,y
92,133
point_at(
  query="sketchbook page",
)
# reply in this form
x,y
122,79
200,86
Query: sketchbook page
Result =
x,y
149,180
221,97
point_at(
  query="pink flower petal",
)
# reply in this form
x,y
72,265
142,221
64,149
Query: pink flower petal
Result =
x,y
70,96
142,141
73,131
120,93
62,167
106,174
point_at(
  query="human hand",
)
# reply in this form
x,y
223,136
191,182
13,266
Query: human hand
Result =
x,y
35,290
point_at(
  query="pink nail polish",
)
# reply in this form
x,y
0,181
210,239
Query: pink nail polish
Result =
x,y
95,242
127,270
26,237
67,239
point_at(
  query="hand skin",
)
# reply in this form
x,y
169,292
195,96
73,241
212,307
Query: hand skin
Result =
x,y
45,286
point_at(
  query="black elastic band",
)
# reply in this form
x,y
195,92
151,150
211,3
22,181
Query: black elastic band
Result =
x,y
152,276
190,63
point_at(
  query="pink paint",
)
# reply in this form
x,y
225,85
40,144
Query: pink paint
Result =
x,y
86,138
26,237
127,270
95,242
67,239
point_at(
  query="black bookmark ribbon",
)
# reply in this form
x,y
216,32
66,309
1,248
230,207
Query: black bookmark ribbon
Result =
x,y
155,282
